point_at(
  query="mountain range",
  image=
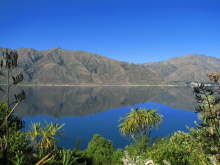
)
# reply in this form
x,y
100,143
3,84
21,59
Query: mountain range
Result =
x,y
79,67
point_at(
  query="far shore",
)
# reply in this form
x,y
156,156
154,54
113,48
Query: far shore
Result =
x,y
100,85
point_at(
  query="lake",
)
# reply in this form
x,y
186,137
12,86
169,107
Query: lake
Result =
x,y
86,111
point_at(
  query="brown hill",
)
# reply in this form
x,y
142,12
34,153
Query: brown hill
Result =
x,y
64,66
186,68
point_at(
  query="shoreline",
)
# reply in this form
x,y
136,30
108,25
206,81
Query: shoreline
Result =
x,y
99,85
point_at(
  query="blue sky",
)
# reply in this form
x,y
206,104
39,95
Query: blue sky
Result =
x,y
128,30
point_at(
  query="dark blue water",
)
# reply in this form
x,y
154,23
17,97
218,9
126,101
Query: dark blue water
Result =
x,y
106,124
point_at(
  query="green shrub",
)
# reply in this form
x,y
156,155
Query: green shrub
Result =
x,y
138,148
18,142
117,157
100,150
14,123
181,148
17,147
68,157
210,147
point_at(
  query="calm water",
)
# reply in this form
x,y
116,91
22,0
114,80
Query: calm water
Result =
x,y
86,111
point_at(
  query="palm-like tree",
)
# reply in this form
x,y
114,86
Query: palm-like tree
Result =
x,y
139,122
49,134
44,138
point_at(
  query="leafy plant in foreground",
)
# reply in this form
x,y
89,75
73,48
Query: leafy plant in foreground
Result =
x,y
208,98
44,138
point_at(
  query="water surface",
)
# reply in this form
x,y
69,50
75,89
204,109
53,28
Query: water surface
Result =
x,y
86,111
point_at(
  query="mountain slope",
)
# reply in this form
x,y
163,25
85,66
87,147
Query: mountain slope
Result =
x,y
78,67
186,68
64,66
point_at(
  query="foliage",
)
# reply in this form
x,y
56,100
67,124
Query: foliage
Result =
x,y
68,157
44,138
181,148
13,143
139,122
18,147
18,141
8,122
207,144
100,150
19,158
208,98
117,157
14,123
138,148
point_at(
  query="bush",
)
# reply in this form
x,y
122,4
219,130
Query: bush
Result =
x,y
18,147
181,148
100,150
14,123
117,157
68,157
138,148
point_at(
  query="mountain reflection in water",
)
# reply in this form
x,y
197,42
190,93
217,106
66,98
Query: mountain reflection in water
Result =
x,y
79,101
86,111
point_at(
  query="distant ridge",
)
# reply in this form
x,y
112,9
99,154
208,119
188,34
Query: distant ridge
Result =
x,y
192,67
78,67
